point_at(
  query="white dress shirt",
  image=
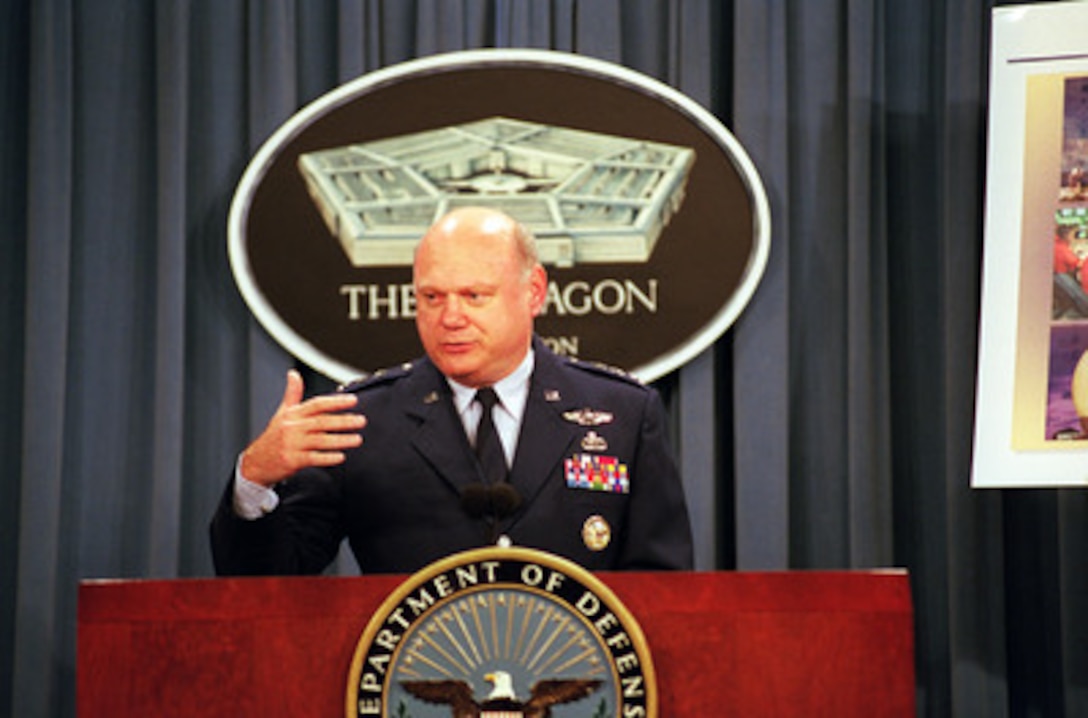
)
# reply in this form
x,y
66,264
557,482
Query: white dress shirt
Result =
x,y
513,393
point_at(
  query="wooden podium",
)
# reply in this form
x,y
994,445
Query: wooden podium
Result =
x,y
723,644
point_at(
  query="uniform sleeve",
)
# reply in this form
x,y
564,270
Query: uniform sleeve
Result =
x,y
301,536
658,532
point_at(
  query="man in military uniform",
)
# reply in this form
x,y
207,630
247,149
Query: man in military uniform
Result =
x,y
489,438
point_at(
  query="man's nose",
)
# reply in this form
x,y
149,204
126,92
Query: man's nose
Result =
x,y
453,314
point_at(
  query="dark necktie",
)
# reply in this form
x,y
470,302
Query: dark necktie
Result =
x,y
488,447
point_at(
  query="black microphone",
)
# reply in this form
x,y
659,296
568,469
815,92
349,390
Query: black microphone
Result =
x,y
493,503
475,500
505,500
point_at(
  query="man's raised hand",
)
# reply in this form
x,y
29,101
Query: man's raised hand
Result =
x,y
302,434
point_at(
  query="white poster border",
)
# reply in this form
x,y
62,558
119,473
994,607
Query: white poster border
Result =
x,y
1014,339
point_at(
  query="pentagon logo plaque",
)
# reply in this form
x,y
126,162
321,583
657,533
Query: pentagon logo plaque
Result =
x,y
651,220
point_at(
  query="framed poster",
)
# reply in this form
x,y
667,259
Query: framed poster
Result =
x,y
1031,416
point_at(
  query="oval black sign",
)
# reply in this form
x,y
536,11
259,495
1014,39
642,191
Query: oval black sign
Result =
x,y
652,221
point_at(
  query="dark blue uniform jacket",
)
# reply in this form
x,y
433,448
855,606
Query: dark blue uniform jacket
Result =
x,y
593,468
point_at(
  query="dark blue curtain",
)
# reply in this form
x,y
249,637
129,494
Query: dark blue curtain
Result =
x,y
830,428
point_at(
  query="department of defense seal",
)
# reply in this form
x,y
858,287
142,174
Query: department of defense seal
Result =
x,y
502,632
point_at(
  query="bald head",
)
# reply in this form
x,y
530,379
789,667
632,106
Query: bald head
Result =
x,y
464,222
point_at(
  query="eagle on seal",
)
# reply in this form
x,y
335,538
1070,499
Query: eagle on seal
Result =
x,y
501,701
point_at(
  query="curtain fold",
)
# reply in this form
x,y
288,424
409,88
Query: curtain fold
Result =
x,y
869,506
830,428
760,387
14,91
44,573
167,413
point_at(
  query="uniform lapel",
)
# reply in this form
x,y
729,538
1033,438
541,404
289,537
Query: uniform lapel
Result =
x,y
545,438
439,437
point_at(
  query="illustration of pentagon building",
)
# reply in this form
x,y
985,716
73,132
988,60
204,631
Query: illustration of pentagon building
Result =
x,y
587,197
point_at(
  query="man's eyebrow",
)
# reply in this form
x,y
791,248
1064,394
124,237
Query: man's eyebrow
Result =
x,y
467,288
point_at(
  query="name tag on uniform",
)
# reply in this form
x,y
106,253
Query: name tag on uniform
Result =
x,y
594,472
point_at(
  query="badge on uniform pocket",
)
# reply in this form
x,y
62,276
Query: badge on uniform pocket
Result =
x,y
593,472
596,533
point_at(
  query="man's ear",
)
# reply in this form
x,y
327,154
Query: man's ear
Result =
x,y
538,289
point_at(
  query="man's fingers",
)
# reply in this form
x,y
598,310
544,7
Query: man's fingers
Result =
x,y
335,431
324,404
292,393
324,458
324,449
334,442
306,429
319,450
335,422
305,439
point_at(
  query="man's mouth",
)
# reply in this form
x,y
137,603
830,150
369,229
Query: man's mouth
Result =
x,y
457,347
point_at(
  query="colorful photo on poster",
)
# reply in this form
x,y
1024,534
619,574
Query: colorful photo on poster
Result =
x,y
1067,385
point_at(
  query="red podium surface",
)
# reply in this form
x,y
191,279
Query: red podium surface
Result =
x,y
723,644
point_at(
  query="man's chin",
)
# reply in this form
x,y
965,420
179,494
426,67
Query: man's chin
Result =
x,y
456,366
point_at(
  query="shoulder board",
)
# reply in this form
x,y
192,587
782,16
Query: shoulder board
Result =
x,y
381,376
607,370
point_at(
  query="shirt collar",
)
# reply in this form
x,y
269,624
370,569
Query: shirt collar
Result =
x,y
513,389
